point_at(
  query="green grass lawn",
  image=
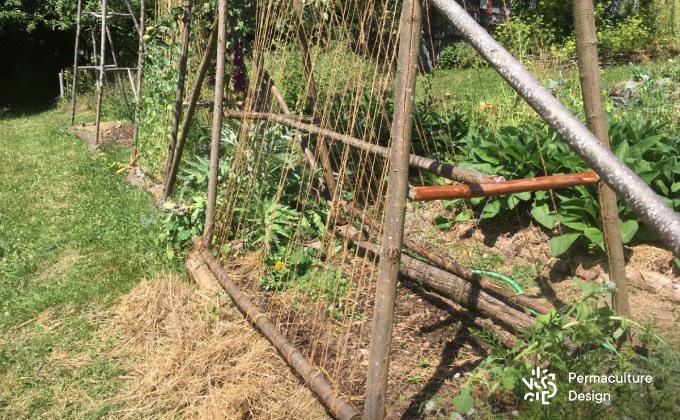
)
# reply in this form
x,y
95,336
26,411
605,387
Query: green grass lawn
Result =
x,y
74,236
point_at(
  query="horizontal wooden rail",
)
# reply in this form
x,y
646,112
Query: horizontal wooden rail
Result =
x,y
109,68
445,170
264,115
514,186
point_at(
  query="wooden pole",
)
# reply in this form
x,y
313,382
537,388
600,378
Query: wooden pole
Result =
x,y
61,84
339,406
100,80
395,211
193,99
140,56
448,192
121,85
591,88
179,95
216,123
324,155
75,63
432,166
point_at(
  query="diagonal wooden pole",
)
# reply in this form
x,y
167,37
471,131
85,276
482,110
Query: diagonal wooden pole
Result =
x,y
216,123
179,94
100,79
75,63
189,115
395,210
591,88
324,154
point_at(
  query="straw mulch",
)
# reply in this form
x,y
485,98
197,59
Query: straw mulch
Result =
x,y
190,354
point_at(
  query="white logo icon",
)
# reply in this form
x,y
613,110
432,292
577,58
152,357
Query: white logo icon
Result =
x,y
540,389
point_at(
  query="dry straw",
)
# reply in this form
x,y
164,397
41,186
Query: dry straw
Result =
x,y
192,355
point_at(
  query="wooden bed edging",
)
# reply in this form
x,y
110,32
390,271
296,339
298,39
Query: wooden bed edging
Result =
x,y
336,403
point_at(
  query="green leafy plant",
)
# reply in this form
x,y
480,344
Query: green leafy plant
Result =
x,y
580,340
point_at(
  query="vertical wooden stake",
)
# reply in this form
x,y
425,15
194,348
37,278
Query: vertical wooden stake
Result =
x,y
140,56
75,63
193,98
100,80
395,210
179,96
216,123
591,88
61,84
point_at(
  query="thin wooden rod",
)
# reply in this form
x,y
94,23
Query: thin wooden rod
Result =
x,y
324,155
445,170
338,405
395,213
132,16
213,169
100,79
231,113
193,98
118,77
75,63
109,68
179,94
140,58
447,192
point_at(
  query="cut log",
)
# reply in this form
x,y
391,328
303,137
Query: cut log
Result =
x,y
457,269
200,272
457,289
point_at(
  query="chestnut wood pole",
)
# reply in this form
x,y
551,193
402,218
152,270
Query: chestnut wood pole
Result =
x,y
591,88
395,210
179,94
324,155
100,78
75,63
140,58
119,78
217,122
337,404
191,108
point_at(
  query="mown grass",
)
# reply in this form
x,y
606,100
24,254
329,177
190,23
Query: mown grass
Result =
x,y
74,236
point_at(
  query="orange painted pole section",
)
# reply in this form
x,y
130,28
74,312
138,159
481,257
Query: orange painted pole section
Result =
x,y
514,186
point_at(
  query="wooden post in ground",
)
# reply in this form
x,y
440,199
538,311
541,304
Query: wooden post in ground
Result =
x,y
179,96
395,211
591,88
193,99
75,63
100,79
216,123
140,54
